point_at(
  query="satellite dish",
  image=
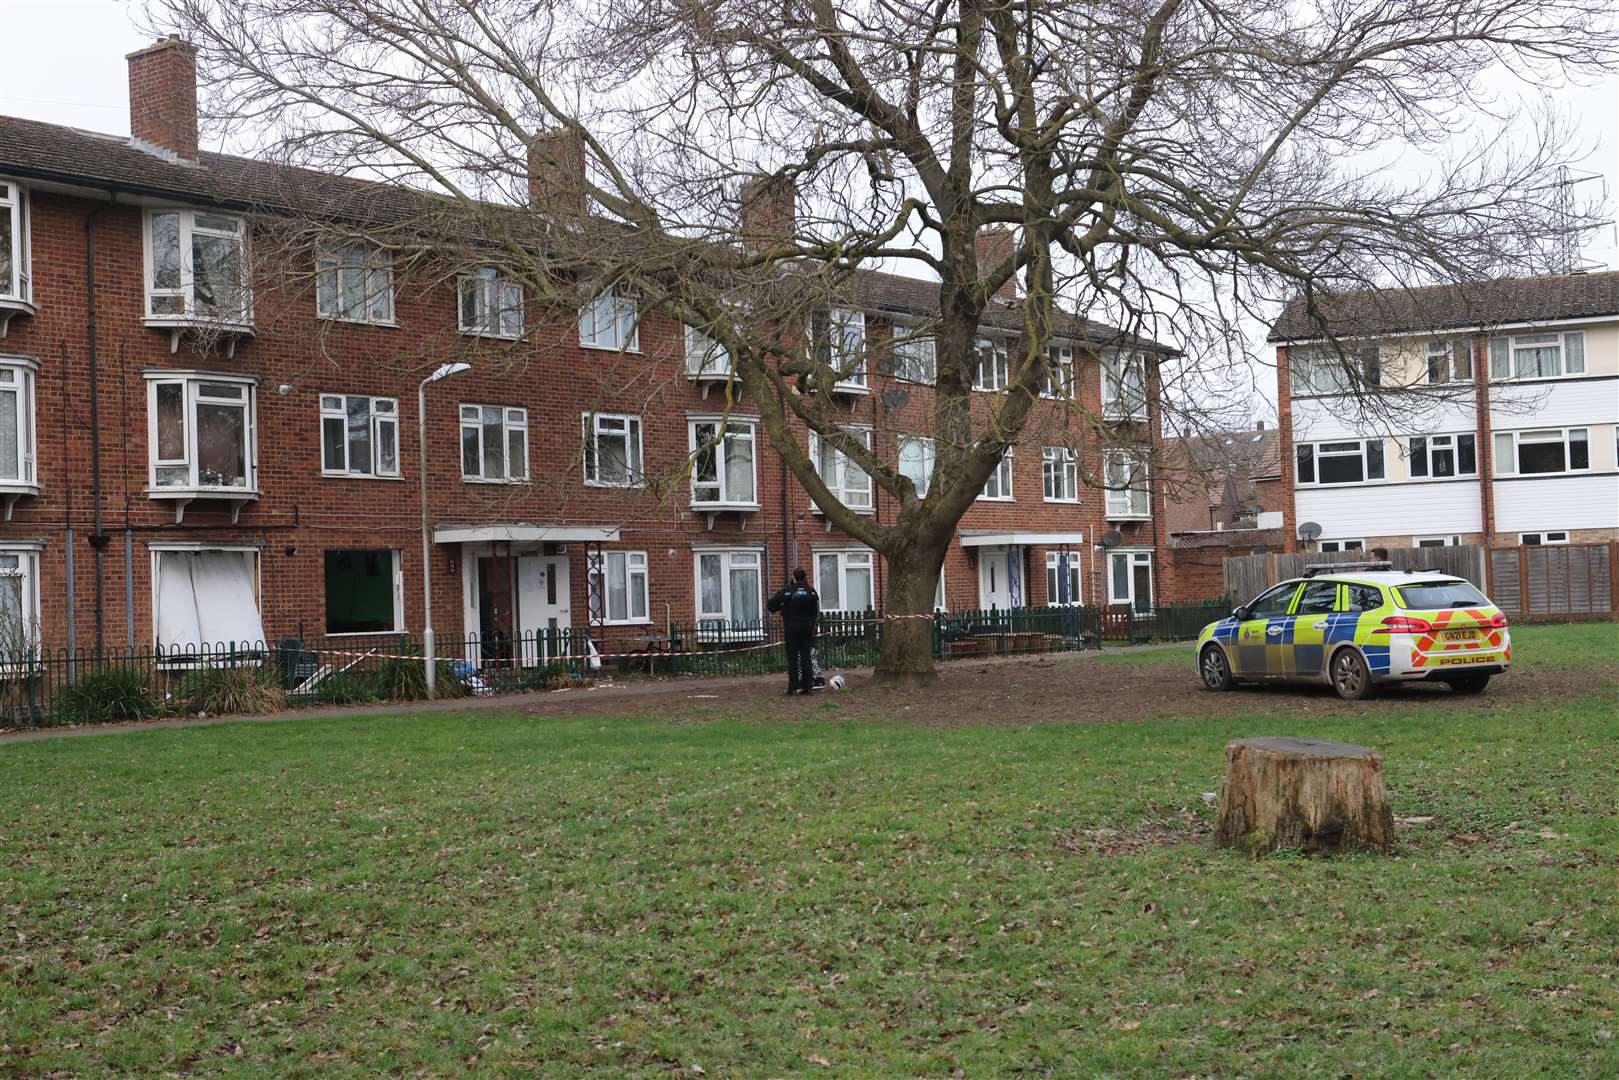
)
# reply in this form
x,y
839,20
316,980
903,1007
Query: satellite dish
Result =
x,y
1112,539
1309,530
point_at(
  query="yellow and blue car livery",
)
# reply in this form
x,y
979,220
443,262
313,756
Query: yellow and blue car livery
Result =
x,y
1355,628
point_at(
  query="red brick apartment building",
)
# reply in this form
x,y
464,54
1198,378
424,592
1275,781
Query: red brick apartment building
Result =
x,y
260,480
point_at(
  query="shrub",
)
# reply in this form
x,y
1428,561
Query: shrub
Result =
x,y
220,690
106,697
405,680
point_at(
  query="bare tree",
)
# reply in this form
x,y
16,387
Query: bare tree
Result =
x,y
1171,166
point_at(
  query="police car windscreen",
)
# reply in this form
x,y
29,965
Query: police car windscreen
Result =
x,y
1441,594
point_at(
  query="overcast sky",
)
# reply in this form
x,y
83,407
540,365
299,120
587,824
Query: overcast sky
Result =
x,y
63,62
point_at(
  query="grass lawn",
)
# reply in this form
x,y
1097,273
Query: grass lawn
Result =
x,y
630,896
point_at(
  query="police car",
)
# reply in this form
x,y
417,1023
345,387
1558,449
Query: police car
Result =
x,y
1354,625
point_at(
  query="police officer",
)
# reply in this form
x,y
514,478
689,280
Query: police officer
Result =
x,y
799,608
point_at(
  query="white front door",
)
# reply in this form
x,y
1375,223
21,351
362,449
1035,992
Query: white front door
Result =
x,y
542,605
994,584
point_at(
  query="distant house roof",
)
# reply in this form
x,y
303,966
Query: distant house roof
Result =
x,y
1478,304
1255,454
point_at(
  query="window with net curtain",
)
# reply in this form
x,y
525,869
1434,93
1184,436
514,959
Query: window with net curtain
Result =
x,y
844,580
208,599
729,589
198,265
19,607
16,424
14,281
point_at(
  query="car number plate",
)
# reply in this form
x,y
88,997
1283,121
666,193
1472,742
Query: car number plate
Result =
x,y
1460,635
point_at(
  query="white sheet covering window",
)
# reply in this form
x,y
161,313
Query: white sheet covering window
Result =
x,y
208,598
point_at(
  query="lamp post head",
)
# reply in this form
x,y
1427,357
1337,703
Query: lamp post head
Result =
x,y
444,371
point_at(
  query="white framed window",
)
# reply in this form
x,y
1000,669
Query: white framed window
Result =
x,y
728,590
1064,582
19,603
838,340
998,488
1352,461
844,580
914,356
1542,452
206,597
610,321
1343,545
917,456
494,444
1436,541
848,481
1058,381
18,445
618,589
724,462
1060,474
705,357
1537,356
1124,386
196,267
1439,457
993,369
1535,539
490,304
940,601
1449,361
355,283
1129,578
1125,476
359,435
1322,369
365,591
15,281
201,432
612,450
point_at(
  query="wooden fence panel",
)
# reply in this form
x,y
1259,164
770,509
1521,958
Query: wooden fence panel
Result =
x,y
1246,576
1506,586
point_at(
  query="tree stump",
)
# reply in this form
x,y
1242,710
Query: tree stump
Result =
x,y
1321,796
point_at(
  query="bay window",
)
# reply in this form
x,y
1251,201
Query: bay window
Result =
x,y
355,283
998,488
838,341
610,321
612,450
1450,361
19,602
1058,381
15,283
1060,472
844,580
1125,476
1352,461
1440,456
705,357
490,304
1537,356
494,444
723,462
201,432
914,358
1124,386
1549,450
196,267
848,482
729,593
916,460
359,436
206,599
1063,579
618,588
993,370
1322,369
17,437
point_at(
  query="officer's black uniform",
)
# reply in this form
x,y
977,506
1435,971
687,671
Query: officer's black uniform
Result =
x,y
799,607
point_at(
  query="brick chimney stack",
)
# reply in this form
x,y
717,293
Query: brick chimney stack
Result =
x,y
995,245
769,211
163,97
556,173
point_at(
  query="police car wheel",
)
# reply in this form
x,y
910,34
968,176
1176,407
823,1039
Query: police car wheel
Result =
x,y
1350,676
1469,684
1215,669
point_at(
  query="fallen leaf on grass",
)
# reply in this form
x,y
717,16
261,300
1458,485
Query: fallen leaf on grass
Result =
x,y
817,1059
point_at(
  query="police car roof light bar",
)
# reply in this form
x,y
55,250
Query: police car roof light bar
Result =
x,y
1333,568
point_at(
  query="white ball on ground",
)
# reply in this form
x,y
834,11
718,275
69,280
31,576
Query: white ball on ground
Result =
x,y
836,682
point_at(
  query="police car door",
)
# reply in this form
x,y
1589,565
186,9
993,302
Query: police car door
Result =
x,y
1306,632
1259,638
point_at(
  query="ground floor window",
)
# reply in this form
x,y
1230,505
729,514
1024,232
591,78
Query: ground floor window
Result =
x,y
1437,541
363,591
19,602
1130,579
1535,539
207,598
729,589
618,588
844,580
1063,578
1343,545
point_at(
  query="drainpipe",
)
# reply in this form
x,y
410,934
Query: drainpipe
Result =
x,y
785,524
98,538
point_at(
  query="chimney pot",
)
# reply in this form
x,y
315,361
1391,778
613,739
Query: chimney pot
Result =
x,y
556,173
769,211
1259,425
995,245
163,97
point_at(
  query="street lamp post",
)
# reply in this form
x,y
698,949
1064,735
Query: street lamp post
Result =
x,y
443,371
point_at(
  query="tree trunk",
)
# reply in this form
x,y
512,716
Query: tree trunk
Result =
x,y
907,643
1323,797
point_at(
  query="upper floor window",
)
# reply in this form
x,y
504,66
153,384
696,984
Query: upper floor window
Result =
x,y
618,588
916,459
1440,456
494,443
705,357
1538,356
1322,369
201,431
1125,475
1550,450
1353,461
19,602
196,266
610,321
359,436
838,340
14,280
993,370
355,283
848,482
17,439
998,487
723,463
1449,361
1124,386
914,357
1058,381
612,450
1060,471
491,304
1063,578
844,580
